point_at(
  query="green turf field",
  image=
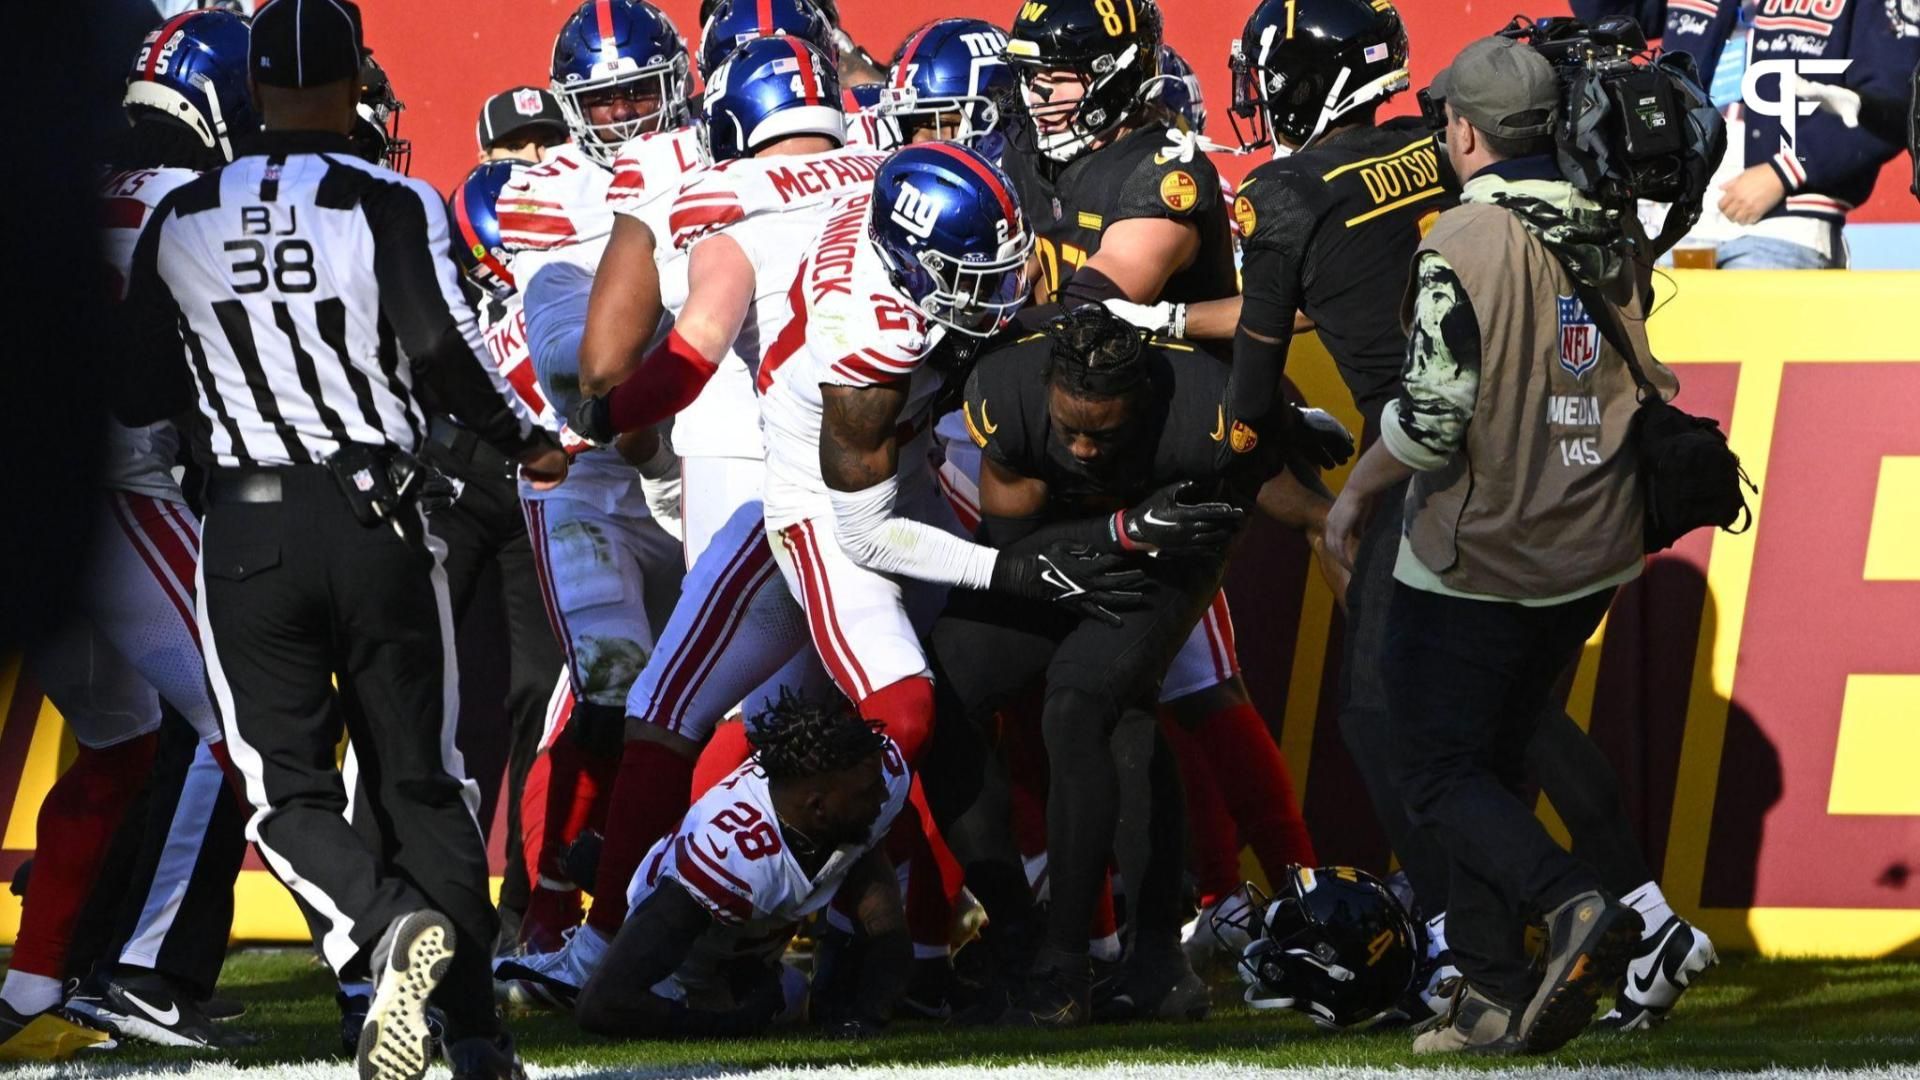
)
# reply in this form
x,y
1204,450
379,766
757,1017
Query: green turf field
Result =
x,y
1748,1014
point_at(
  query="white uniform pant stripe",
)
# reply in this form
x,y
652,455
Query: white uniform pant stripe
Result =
x,y
337,941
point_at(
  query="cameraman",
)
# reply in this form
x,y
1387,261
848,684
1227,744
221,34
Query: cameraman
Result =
x,y
1522,517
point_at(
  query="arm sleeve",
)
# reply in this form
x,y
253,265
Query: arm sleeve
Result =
x,y
1275,266
152,382
556,311
1441,377
875,537
437,331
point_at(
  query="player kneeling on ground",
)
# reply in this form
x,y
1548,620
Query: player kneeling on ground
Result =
x,y
714,903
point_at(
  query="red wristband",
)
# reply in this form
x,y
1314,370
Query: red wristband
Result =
x,y
669,379
1119,527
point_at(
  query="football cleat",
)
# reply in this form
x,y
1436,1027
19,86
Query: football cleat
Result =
x,y
57,1034
1662,969
1219,931
144,1006
410,959
551,980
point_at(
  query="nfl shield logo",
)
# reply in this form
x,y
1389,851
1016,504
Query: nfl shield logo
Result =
x,y
526,102
1579,338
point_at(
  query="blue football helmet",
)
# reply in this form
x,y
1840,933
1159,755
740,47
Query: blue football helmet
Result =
x,y
194,69
1177,90
736,22
771,88
949,68
474,217
619,47
946,223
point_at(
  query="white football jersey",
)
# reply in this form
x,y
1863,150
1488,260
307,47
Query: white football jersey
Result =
x,y
598,476
851,328
864,128
556,210
139,460
729,855
774,209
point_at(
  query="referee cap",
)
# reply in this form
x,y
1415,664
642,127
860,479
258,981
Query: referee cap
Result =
x,y
1502,86
522,108
301,43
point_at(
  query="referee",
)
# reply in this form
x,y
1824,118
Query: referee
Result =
x,y
315,296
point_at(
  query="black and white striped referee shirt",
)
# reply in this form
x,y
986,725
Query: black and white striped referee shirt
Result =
x,y
291,275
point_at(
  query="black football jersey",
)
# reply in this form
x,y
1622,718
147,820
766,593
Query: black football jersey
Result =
x,y
1184,434
1331,231
1143,174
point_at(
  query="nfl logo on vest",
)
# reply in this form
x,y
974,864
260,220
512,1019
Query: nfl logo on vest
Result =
x,y
1579,338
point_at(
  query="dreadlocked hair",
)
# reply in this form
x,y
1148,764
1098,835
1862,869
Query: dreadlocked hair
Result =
x,y
1096,354
798,737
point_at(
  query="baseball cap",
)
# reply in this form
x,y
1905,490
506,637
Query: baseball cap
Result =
x,y
516,109
301,43
1502,86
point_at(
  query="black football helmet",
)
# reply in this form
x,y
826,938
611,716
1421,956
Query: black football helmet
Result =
x,y
1332,943
1301,65
1113,44
376,134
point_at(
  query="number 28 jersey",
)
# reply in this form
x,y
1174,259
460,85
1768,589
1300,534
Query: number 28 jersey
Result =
x,y
729,855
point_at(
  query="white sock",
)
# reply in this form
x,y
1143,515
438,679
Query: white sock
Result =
x,y
1106,948
30,994
1652,905
1437,934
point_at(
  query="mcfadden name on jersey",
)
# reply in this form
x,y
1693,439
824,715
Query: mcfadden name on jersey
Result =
x,y
734,191
849,327
729,855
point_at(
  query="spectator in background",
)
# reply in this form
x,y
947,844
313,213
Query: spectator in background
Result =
x,y
1781,206
520,124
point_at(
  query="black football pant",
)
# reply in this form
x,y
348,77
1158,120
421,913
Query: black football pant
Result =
x,y
1561,759
1467,682
164,899
1113,788
297,593
485,526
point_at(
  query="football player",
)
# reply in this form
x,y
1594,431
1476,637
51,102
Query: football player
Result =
x,y
732,243
951,81
1097,436
129,642
717,899
1127,207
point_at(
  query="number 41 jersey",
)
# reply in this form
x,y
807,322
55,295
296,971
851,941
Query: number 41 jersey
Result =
x,y
728,853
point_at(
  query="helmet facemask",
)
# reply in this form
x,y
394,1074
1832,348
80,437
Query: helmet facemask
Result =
x,y
1091,116
976,298
663,80
905,112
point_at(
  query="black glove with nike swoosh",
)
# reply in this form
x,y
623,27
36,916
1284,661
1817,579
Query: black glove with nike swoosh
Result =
x,y
1075,576
1166,521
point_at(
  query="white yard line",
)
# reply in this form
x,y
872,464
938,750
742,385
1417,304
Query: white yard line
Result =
x,y
1201,1070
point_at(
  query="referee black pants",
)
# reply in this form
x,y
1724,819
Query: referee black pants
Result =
x,y
1560,758
294,595
1113,789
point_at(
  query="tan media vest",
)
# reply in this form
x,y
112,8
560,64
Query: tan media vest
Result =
x,y
1542,499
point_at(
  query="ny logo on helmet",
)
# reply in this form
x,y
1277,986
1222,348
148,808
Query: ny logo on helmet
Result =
x,y
914,212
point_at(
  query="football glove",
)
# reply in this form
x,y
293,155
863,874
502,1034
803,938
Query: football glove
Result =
x,y
1086,582
1164,318
1166,522
1321,438
592,420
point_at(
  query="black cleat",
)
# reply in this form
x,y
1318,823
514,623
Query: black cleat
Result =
x,y
144,1005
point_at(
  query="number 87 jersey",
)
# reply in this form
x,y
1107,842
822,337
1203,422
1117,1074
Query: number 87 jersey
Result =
x,y
728,854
